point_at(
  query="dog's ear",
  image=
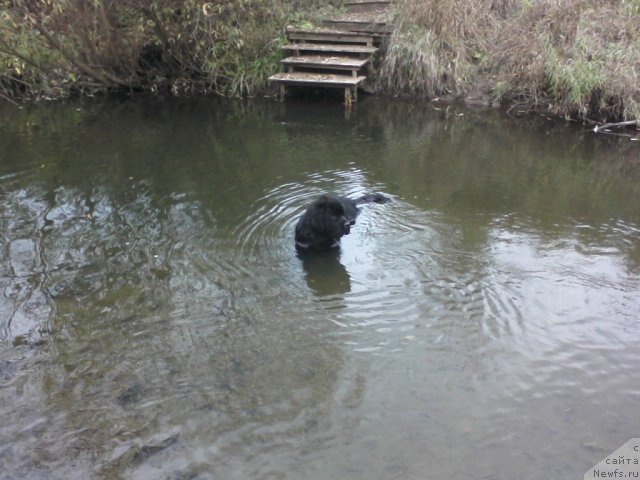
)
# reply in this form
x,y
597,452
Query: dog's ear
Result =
x,y
323,202
330,205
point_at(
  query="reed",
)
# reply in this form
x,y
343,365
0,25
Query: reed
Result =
x,y
576,58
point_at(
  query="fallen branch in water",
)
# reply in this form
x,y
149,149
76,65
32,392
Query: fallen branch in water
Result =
x,y
4,97
600,128
515,105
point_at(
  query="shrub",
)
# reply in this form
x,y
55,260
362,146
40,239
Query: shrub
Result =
x,y
577,58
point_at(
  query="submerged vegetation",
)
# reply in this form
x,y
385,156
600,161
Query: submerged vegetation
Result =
x,y
576,58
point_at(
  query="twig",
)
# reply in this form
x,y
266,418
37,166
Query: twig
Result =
x,y
9,100
4,48
103,77
600,128
515,105
625,135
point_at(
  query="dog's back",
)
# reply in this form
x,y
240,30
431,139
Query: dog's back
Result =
x,y
329,218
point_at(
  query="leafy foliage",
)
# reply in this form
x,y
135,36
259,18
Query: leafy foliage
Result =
x,y
58,47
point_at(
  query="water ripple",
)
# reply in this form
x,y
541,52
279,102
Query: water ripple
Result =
x,y
273,216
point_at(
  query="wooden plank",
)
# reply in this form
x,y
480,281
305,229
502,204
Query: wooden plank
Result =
x,y
382,3
319,61
320,31
359,26
330,35
344,37
317,79
364,17
328,48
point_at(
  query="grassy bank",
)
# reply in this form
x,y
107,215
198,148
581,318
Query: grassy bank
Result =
x,y
576,58
52,49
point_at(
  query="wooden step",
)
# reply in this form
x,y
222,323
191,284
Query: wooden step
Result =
x,y
329,35
318,79
330,48
366,6
326,62
376,28
367,2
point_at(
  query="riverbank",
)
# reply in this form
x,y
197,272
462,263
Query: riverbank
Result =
x,y
72,47
572,58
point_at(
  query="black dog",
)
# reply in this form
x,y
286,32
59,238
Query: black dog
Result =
x,y
328,219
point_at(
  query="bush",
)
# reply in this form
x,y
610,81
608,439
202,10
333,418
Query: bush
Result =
x,y
577,58
58,48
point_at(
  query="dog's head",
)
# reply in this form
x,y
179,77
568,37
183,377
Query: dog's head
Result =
x,y
334,216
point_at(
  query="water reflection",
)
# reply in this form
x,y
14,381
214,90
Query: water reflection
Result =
x,y
157,321
324,273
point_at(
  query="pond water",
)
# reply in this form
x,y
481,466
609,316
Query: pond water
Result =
x,y
155,321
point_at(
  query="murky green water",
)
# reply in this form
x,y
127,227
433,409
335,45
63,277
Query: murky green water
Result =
x,y
155,321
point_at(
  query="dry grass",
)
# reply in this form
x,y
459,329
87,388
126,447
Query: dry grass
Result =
x,y
439,45
49,49
577,58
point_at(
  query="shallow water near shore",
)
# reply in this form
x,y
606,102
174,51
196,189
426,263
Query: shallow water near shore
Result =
x,y
155,320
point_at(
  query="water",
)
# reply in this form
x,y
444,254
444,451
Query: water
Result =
x,y
155,321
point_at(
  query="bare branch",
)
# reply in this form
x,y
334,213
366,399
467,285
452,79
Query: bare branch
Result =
x,y
104,78
600,128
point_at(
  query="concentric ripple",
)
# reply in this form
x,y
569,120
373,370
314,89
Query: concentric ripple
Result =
x,y
273,215
156,320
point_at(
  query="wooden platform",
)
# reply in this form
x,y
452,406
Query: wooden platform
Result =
x,y
337,54
330,35
306,79
330,48
325,63
365,17
366,5
374,27
318,79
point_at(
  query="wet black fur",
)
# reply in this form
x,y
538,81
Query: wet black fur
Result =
x,y
328,219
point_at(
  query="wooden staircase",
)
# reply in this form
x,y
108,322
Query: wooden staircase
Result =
x,y
338,54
